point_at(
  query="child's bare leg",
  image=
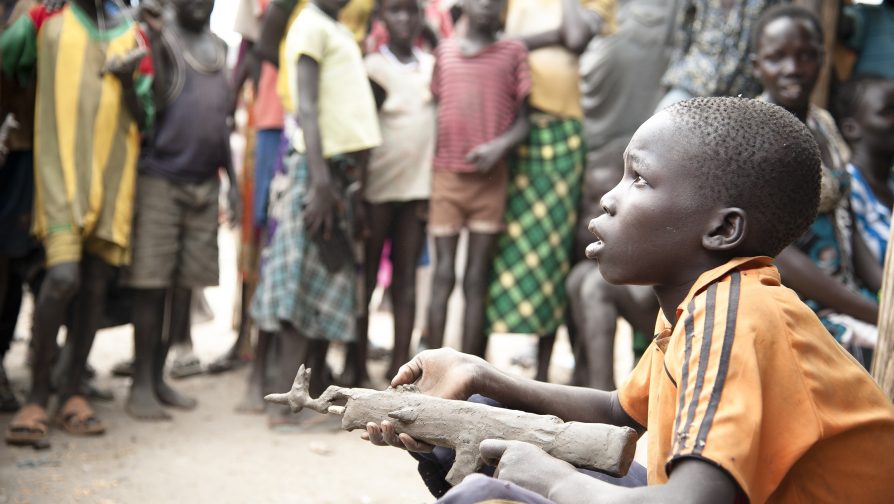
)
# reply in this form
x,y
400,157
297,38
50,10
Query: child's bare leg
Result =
x,y
95,278
316,359
293,351
544,354
407,242
148,320
179,331
442,285
379,217
253,400
59,288
475,282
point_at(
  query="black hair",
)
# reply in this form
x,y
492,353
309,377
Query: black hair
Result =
x,y
784,11
755,156
850,94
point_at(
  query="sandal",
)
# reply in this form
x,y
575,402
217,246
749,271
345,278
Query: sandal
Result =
x,y
78,418
185,367
29,427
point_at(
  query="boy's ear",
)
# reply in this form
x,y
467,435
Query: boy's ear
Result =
x,y
726,230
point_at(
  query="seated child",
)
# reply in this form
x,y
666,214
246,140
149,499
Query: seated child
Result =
x,y
864,106
399,181
830,265
745,395
482,84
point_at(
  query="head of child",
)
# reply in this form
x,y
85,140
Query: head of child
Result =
x,y
706,180
787,56
193,15
865,110
403,19
331,7
485,16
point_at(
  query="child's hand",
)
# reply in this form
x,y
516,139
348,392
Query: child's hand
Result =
x,y
385,435
123,67
486,155
234,205
150,13
524,464
318,211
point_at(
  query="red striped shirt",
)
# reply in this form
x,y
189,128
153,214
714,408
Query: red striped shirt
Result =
x,y
478,97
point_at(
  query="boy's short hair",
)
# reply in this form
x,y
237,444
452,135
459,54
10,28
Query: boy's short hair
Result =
x,y
756,156
850,94
784,11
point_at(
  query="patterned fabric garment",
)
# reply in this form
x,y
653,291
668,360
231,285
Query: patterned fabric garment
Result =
x,y
527,289
711,55
829,240
86,142
872,216
295,285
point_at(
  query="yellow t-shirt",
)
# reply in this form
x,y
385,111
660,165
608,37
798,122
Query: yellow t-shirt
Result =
x,y
346,107
748,379
355,16
555,79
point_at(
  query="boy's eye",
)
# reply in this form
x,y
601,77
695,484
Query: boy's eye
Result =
x,y
638,180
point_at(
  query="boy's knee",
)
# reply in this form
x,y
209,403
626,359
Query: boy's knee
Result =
x,y
576,278
62,282
444,276
477,488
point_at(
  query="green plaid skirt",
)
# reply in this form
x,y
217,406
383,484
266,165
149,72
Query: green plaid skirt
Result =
x,y
295,286
527,288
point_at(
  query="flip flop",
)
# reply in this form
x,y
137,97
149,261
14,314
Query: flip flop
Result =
x,y
188,366
30,426
76,417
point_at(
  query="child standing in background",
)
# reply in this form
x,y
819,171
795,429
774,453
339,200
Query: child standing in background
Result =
x,y
399,180
482,85
307,288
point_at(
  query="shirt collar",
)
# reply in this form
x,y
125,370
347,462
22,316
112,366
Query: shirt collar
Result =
x,y
663,327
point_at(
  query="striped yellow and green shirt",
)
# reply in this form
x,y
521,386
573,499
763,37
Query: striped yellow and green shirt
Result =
x,y
86,141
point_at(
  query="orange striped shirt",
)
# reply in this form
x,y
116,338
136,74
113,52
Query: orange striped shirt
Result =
x,y
749,380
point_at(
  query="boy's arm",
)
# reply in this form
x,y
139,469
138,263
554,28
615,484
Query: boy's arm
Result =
x,y
578,26
487,155
866,266
692,481
802,275
273,28
320,199
450,374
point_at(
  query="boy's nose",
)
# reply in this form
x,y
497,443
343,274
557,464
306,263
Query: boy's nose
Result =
x,y
608,204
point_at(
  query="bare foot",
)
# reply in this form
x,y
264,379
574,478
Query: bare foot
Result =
x,y
252,401
170,397
143,405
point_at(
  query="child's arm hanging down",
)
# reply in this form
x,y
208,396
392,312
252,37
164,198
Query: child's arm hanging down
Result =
x,y
487,155
321,197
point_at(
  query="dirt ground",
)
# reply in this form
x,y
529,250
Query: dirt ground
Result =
x,y
213,454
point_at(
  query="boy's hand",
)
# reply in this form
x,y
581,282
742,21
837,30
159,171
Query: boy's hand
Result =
x,y
385,435
318,210
486,155
234,205
123,67
443,373
524,464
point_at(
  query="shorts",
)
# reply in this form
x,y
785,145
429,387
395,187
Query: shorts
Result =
x,y
472,200
175,234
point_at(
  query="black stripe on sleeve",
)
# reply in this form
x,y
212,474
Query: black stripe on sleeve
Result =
x,y
689,327
703,358
723,365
